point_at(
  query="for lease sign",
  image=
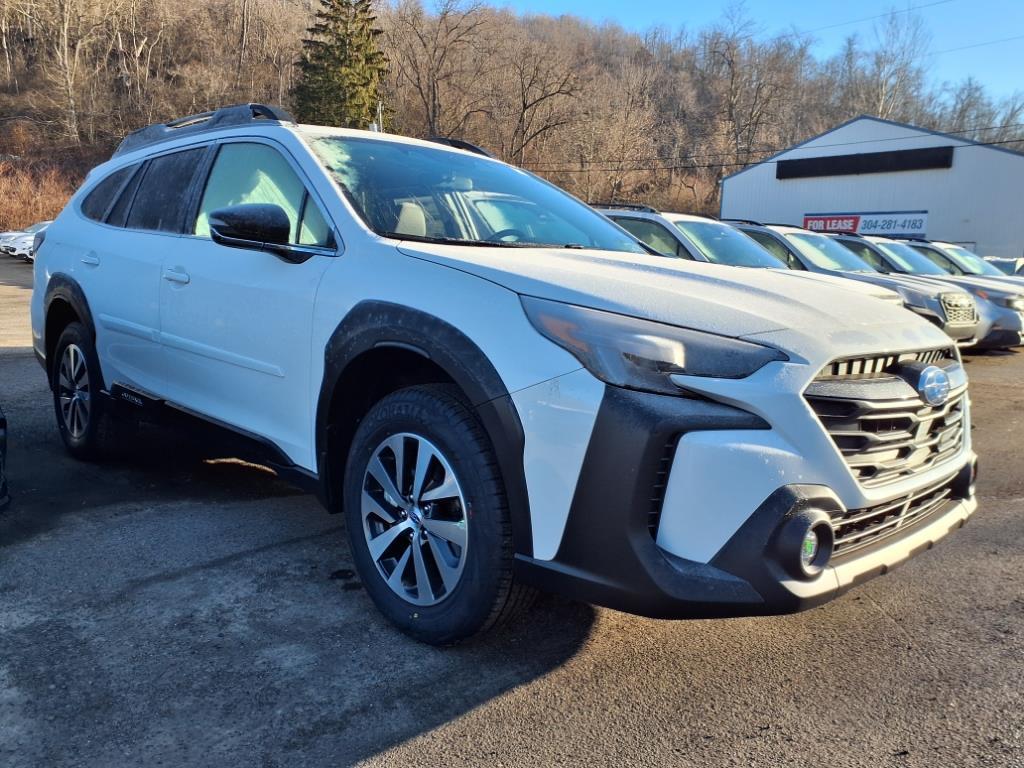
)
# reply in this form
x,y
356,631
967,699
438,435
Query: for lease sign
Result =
x,y
870,222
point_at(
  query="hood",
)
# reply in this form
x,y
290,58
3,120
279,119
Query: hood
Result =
x,y
719,299
907,284
990,285
866,288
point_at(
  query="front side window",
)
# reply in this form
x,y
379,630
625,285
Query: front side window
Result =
x,y
826,253
245,174
775,248
412,192
865,254
722,244
160,202
939,260
652,233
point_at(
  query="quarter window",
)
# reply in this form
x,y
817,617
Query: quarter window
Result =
x,y
163,193
246,174
97,202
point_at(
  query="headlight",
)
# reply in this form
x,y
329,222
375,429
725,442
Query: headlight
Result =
x,y
641,354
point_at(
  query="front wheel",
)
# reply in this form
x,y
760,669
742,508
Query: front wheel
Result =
x,y
428,518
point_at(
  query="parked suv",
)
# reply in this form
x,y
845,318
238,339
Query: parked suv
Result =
x,y
957,260
1000,306
950,308
497,387
708,240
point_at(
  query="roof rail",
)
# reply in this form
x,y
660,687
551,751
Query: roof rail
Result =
x,y
460,144
743,221
843,232
911,238
239,114
626,207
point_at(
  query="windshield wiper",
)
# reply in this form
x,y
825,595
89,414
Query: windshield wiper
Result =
x,y
461,241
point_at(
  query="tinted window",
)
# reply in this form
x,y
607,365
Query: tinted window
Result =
x,y
908,260
119,213
162,197
653,234
97,202
246,174
938,260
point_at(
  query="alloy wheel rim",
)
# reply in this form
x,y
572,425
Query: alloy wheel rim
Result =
x,y
414,519
73,391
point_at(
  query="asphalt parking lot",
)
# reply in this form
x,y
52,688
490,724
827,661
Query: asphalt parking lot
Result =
x,y
176,608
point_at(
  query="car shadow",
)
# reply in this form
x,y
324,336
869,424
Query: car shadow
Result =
x,y
199,610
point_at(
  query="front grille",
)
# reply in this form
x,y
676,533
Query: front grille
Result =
x,y
878,365
885,440
960,310
856,528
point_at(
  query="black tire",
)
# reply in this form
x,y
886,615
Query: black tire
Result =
x,y
485,594
96,440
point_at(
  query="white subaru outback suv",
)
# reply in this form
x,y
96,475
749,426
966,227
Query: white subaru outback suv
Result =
x,y
499,388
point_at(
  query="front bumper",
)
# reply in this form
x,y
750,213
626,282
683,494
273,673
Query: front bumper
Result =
x,y
610,553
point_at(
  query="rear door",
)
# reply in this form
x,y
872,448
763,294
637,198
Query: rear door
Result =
x,y
120,268
237,323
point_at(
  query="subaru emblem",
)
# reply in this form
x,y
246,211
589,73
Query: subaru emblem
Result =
x,y
933,385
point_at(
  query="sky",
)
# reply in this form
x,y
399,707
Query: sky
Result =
x,y
952,24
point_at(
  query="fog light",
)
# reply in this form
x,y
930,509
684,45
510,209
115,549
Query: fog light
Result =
x,y
809,549
803,543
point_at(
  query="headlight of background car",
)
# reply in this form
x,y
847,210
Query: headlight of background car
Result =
x,y
641,354
1016,302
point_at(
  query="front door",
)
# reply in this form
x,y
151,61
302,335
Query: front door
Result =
x,y
237,323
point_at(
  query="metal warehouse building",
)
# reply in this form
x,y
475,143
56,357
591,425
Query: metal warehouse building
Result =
x,y
879,177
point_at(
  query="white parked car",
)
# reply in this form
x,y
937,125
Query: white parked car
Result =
x,y
497,387
21,245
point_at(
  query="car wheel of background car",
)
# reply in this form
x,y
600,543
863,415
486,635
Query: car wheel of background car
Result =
x,y
85,425
428,518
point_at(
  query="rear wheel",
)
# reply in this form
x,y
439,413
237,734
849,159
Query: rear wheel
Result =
x,y
427,517
82,413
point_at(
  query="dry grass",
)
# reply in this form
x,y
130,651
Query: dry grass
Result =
x,y
32,193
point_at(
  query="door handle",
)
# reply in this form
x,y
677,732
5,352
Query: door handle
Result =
x,y
176,276
91,259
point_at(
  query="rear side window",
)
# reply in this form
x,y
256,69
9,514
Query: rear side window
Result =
x,y
119,213
163,194
98,202
246,174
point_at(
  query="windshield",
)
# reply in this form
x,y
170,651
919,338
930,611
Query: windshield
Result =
x,y
411,192
724,245
906,259
826,253
969,262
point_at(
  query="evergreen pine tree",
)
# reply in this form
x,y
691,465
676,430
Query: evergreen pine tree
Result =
x,y
342,66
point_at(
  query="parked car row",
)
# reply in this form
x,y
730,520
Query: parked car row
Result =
x,y
21,244
972,301
499,387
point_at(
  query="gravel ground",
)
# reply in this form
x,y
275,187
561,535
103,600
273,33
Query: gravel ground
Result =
x,y
178,609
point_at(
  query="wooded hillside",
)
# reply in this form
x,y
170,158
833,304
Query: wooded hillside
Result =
x,y
659,117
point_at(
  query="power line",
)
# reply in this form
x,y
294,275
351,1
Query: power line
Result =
x,y
879,16
776,150
696,166
977,45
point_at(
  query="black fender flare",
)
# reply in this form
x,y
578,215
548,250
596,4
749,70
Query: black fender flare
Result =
x,y
65,288
374,324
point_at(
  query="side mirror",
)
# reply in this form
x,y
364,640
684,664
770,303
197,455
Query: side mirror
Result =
x,y
258,227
